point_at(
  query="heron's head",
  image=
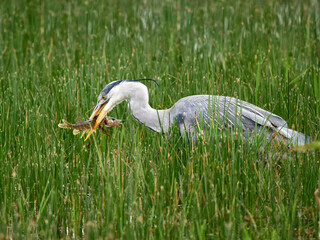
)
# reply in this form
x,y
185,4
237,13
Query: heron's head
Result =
x,y
109,97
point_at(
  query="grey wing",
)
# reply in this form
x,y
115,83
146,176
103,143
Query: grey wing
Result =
x,y
185,112
193,112
226,111
260,115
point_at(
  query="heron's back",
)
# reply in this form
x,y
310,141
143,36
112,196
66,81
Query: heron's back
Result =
x,y
231,113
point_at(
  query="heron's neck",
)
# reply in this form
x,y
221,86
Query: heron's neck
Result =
x,y
157,120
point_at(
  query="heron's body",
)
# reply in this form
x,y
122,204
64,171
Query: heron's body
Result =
x,y
197,111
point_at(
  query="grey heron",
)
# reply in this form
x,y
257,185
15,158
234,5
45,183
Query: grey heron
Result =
x,y
227,112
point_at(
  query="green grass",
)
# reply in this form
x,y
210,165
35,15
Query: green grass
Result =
x,y
56,56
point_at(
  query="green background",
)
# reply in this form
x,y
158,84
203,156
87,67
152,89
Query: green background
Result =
x,y
56,56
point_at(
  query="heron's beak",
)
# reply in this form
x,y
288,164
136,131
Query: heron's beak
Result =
x,y
100,105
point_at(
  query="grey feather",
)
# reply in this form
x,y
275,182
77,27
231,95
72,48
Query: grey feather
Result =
x,y
232,113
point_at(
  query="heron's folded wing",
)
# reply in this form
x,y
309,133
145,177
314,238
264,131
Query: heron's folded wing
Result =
x,y
273,119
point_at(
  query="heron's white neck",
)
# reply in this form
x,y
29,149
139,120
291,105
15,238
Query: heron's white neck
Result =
x,y
157,120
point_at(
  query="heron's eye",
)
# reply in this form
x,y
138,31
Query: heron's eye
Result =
x,y
104,97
